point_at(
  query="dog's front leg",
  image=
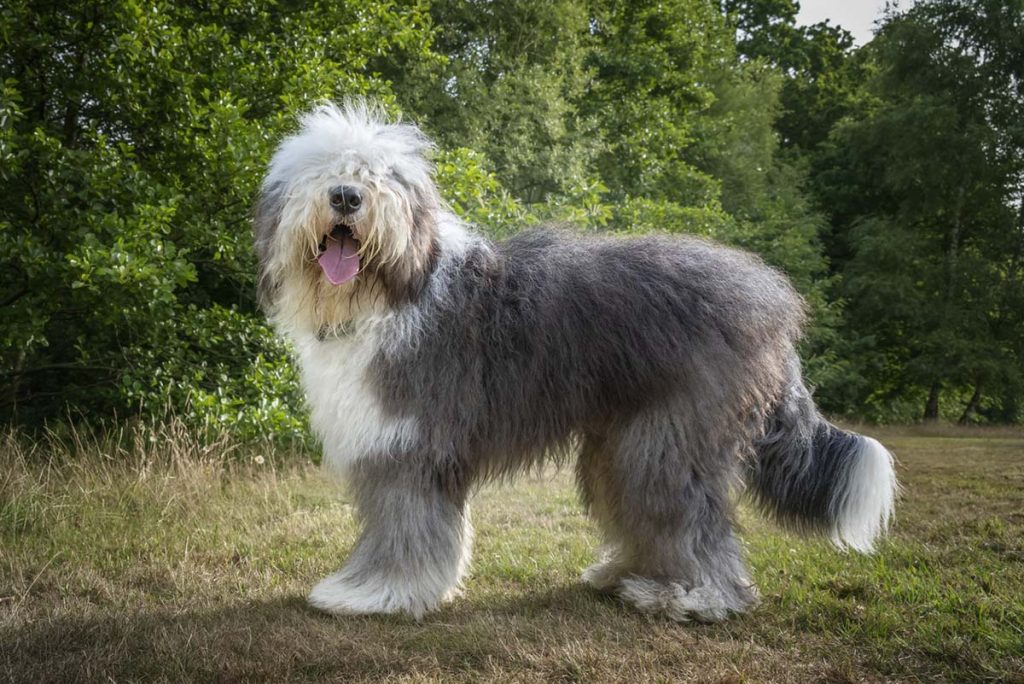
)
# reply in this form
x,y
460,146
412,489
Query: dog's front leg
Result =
x,y
415,544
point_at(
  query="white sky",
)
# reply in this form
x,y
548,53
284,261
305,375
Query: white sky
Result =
x,y
856,16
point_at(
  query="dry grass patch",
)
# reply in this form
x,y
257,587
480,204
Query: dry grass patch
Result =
x,y
163,559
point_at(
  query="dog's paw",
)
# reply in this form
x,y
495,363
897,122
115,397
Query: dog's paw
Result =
x,y
608,571
605,575
703,603
341,594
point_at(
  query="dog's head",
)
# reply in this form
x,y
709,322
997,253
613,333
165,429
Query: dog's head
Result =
x,y
345,219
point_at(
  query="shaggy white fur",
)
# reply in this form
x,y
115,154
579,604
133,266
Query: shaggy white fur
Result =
x,y
415,591
344,409
869,498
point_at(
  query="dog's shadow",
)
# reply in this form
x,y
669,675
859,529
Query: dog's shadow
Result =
x,y
284,639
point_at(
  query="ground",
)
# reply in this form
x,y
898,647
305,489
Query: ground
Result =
x,y
166,560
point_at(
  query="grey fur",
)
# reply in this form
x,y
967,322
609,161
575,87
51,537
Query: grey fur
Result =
x,y
265,225
802,463
668,361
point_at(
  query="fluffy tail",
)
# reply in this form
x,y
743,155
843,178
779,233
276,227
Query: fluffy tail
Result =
x,y
813,477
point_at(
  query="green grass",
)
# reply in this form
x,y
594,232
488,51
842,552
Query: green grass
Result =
x,y
165,560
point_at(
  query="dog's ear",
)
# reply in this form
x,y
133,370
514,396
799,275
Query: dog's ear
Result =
x,y
266,220
406,279
424,245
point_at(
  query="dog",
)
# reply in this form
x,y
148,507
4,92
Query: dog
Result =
x,y
434,359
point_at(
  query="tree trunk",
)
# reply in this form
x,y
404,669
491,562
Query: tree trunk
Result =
x,y
972,405
931,407
15,388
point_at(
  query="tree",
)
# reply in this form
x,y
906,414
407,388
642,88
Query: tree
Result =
x,y
821,71
132,139
887,181
926,184
506,88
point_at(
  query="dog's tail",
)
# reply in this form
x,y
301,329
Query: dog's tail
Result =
x,y
814,477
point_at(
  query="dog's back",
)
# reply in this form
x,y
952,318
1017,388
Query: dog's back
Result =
x,y
552,333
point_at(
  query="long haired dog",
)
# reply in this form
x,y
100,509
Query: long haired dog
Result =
x,y
434,359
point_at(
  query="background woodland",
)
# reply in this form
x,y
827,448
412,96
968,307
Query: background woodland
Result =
x,y
887,180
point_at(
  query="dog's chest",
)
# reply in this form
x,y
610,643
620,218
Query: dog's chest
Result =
x,y
345,408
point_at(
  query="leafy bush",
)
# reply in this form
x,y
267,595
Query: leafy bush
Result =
x,y
133,138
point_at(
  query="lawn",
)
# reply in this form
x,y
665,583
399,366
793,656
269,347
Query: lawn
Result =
x,y
166,560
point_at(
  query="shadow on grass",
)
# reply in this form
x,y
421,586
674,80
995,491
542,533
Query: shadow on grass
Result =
x,y
284,639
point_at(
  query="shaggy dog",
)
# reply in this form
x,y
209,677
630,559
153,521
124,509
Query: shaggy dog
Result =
x,y
434,359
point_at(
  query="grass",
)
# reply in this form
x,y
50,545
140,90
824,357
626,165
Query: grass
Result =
x,y
168,560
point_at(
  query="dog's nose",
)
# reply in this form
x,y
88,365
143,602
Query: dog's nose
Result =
x,y
346,198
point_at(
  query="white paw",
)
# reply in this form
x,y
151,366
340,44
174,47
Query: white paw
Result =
x,y
704,603
342,594
604,576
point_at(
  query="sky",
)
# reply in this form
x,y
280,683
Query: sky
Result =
x,y
856,16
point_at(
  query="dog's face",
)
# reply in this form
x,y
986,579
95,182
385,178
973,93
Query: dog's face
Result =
x,y
345,220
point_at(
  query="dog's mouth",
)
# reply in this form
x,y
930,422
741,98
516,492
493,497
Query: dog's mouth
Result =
x,y
339,255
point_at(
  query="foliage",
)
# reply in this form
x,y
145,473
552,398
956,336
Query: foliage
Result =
x,y
885,180
821,74
219,370
134,138
926,182
474,193
506,89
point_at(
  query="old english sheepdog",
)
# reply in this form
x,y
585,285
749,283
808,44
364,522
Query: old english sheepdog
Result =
x,y
434,359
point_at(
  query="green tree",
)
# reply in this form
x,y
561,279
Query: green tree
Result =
x,y
769,211
821,71
652,62
132,139
926,185
506,88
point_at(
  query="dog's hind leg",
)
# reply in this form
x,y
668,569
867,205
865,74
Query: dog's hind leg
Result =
x,y
600,492
415,545
661,493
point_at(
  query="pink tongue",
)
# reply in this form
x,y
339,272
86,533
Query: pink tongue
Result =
x,y
340,261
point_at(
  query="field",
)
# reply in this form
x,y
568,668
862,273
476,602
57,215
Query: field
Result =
x,y
165,560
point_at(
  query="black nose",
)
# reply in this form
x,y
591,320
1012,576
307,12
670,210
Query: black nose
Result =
x,y
346,198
